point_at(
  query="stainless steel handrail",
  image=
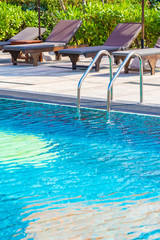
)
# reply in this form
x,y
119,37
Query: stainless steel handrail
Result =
x,y
117,74
104,52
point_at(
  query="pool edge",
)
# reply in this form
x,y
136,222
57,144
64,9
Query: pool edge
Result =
x,y
94,103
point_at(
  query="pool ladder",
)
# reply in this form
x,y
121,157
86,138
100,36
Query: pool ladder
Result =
x,y
112,79
102,52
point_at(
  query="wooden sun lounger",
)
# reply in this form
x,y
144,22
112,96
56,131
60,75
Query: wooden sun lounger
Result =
x,y
148,54
29,33
58,39
157,45
34,50
121,38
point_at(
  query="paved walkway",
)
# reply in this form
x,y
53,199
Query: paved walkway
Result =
x,y
54,81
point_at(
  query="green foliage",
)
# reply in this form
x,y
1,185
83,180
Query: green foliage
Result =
x,y
99,21
28,4
155,4
13,20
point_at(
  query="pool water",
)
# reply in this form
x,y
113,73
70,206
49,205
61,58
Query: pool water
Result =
x,y
65,175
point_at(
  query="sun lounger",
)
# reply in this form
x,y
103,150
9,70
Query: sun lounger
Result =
x,y
29,33
149,62
147,54
121,38
58,39
157,45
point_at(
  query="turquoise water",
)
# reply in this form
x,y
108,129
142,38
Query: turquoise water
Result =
x,y
65,176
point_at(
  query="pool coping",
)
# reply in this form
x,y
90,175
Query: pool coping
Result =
x,y
62,99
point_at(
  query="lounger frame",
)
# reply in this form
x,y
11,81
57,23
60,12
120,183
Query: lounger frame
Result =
x,y
36,53
148,54
112,44
59,38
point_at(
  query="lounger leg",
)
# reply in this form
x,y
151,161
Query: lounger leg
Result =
x,y
152,63
40,58
14,57
26,57
117,60
35,57
97,64
57,56
74,59
126,68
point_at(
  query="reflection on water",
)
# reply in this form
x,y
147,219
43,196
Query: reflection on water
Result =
x,y
122,220
24,149
64,176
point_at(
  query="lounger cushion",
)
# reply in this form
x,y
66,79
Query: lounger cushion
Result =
x,y
135,63
124,34
120,39
28,33
32,46
142,52
85,50
64,31
2,44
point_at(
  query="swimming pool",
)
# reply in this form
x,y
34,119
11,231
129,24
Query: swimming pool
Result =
x,y
65,176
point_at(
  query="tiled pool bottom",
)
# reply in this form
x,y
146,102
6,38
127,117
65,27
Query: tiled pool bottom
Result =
x,y
71,176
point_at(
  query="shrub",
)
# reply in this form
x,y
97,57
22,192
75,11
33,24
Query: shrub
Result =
x,y
99,21
155,4
13,20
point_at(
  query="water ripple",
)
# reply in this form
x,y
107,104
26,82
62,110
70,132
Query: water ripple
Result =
x,y
70,177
